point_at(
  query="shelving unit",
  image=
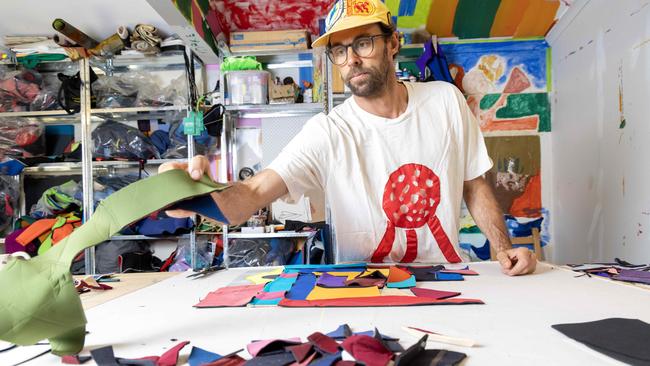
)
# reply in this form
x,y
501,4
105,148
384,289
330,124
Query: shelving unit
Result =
x,y
89,117
167,62
272,61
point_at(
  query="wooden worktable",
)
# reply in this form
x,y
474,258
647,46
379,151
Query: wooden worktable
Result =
x,y
512,328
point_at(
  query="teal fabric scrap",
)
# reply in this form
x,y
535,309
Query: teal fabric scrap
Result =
x,y
403,284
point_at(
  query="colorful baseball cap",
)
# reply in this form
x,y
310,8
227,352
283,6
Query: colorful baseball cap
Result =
x,y
346,14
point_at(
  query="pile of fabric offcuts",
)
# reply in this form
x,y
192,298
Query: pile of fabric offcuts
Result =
x,y
345,285
620,270
341,347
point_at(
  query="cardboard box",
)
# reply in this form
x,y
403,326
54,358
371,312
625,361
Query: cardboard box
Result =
x,y
282,91
338,86
269,40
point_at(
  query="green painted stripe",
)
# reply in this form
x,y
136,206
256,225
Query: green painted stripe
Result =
x,y
474,18
490,40
549,70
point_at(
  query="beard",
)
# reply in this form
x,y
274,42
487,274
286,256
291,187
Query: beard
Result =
x,y
375,78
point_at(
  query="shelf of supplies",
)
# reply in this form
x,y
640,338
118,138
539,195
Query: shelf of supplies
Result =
x,y
137,113
281,234
275,110
290,52
282,59
49,168
55,116
171,60
67,167
145,237
119,163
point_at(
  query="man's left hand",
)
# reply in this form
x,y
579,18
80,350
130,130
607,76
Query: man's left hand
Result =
x,y
517,261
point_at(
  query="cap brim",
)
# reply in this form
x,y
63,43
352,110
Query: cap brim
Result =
x,y
343,24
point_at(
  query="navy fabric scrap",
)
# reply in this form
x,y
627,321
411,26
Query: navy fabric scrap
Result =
x,y
343,331
623,339
203,205
302,287
424,273
417,355
390,343
300,351
328,360
274,359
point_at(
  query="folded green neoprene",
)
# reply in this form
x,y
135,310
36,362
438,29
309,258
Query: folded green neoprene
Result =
x,y
38,298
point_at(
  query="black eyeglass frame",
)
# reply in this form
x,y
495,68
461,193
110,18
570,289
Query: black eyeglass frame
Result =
x,y
372,47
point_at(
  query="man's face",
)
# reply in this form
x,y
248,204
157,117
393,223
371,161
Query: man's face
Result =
x,y
365,76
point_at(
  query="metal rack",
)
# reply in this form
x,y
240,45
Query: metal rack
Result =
x,y
89,116
272,60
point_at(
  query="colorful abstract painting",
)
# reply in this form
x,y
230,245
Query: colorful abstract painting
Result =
x,y
506,82
516,181
445,18
476,19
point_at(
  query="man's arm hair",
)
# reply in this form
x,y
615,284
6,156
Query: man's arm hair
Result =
x,y
243,199
486,212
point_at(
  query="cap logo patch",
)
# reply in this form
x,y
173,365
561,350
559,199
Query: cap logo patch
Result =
x,y
360,7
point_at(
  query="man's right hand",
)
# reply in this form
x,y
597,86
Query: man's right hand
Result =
x,y
196,168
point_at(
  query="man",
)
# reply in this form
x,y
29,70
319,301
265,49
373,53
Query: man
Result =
x,y
394,160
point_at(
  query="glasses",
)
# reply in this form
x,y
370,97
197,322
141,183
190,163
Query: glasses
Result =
x,y
362,47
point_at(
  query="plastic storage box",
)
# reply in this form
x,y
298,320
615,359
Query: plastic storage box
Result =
x,y
248,87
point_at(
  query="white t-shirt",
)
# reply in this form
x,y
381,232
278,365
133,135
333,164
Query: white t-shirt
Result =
x,y
391,181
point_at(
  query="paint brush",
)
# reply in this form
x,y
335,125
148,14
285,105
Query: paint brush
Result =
x,y
437,337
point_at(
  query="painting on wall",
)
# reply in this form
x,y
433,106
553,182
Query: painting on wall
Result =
x,y
214,19
476,19
506,83
516,181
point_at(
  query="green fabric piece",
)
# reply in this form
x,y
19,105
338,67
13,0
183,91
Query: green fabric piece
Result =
x,y
38,296
31,61
47,243
236,63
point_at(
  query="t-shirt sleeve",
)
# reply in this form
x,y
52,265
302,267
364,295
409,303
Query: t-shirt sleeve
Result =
x,y
477,160
302,164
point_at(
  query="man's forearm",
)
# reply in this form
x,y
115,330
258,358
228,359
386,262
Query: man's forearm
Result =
x,y
243,199
486,213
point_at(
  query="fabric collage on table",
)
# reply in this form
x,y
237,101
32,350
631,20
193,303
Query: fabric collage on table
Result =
x,y
345,285
620,270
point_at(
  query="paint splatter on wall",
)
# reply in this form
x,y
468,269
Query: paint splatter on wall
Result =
x,y
271,14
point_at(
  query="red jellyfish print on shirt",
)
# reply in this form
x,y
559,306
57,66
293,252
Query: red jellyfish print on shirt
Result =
x,y
411,197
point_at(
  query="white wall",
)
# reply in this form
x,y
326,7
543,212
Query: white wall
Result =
x,y
601,183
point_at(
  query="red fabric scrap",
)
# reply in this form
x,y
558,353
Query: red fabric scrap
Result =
x,y
323,343
376,301
368,350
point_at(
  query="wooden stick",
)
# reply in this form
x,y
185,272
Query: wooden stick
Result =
x,y
435,337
